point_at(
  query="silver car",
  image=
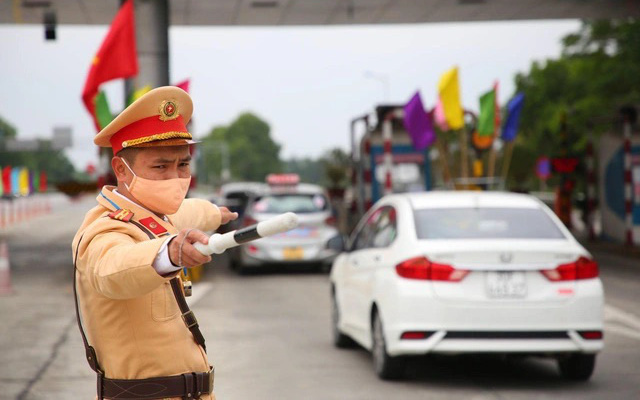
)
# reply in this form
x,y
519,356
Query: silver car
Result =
x,y
306,244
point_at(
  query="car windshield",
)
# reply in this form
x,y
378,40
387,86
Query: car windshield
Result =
x,y
298,203
485,223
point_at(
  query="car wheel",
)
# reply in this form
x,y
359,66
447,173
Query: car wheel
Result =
x,y
386,366
577,367
340,340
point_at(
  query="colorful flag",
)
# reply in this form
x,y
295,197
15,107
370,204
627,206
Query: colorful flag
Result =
x,y
138,93
30,181
487,117
116,57
43,181
513,117
103,112
449,90
439,118
6,180
184,85
418,123
35,182
15,181
23,181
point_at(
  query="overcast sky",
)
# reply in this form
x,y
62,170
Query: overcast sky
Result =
x,y
306,82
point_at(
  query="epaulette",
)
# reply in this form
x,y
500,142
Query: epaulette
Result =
x,y
121,215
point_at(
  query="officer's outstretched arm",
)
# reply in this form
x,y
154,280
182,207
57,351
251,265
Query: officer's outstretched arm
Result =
x,y
120,268
197,213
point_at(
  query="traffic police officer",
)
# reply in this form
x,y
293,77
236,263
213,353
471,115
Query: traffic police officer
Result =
x,y
139,334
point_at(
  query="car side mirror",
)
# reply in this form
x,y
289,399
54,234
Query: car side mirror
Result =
x,y
337,243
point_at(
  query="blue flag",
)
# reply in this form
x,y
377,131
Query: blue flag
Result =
x,y
15,180
513,117
418,123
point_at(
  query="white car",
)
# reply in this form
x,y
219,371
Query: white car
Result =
x,y
466,272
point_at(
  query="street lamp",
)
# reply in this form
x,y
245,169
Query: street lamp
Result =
x,y
382,78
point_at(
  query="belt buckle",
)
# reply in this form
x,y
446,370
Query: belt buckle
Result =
x,y
211,371
191,315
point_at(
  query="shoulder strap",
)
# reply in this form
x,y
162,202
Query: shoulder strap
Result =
x,y
90,352
187,315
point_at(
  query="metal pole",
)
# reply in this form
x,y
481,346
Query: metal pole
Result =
x,y
152,41
387,132
628,117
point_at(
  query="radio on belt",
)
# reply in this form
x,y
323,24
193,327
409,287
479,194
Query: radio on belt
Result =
x,y
219,243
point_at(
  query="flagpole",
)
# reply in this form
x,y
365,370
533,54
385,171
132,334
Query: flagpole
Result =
x,y
507,162
446,172
464,156
492,160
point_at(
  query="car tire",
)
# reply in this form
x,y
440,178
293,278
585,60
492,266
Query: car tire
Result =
x,y
340,340
577,367
386,366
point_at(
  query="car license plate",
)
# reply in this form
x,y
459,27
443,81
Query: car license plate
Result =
x,y
293,253
506,284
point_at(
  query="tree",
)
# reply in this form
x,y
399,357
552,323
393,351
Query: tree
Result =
x,y
597,73
54,162
309,169
336,163
252,152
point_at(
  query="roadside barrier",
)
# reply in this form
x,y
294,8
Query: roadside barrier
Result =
x,y
5,270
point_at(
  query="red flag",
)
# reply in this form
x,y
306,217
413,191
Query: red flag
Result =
x,y
6,179
184,85
43,182
116,57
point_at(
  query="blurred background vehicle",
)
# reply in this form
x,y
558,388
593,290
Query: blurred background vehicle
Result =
x,y
305,245
235,196
466,272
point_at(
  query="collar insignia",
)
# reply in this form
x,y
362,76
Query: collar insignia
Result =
x,y
121,215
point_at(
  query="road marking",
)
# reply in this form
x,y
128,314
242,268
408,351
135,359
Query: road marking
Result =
x,y
199,290
624,323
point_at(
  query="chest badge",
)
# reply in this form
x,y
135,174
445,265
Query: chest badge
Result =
x,y
153,226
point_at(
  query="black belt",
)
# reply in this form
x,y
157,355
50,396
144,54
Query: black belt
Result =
x,y
188,386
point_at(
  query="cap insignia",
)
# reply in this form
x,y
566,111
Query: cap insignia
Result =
x,y
168,110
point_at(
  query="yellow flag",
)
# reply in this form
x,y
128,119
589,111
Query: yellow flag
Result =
x,y
139,92
449,90
23,181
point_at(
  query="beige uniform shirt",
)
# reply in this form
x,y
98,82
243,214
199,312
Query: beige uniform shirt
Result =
x,y
128,310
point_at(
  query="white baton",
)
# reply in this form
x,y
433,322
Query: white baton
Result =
x,y
219,243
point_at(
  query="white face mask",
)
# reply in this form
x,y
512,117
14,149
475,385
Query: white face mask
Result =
x,y
162,196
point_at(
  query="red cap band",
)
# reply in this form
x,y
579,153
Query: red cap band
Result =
x,y
150,128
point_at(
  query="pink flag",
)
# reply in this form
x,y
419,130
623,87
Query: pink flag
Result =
x,y
184,85
439,117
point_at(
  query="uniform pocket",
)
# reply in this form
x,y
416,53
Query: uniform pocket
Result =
x,y
163,303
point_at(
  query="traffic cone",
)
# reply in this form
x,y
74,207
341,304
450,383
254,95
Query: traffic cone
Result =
x,y
5,270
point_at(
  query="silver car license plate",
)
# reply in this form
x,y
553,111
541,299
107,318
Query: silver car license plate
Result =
x,y
506,284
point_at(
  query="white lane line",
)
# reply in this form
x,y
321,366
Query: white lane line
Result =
x,y
199,290
623,323
623,331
